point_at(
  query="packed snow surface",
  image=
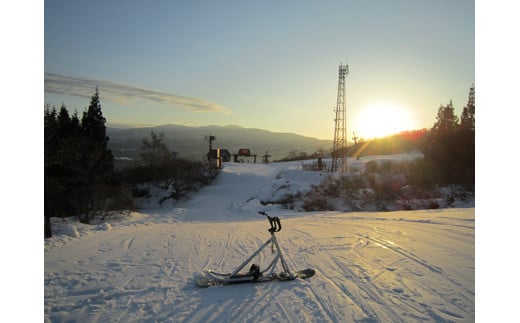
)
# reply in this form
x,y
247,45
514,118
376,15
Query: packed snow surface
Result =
x,y
411,266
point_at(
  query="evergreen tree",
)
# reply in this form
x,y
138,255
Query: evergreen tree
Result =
x,y
50,129
96,161
447,121
93,122
50,123
99,160
64,120
467,118
62,166
449,152
440,149
467,139
79,167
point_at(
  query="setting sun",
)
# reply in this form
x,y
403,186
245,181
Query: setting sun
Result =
x,y
381,119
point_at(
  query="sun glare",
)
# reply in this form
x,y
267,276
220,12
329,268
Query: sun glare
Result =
x,y
381,120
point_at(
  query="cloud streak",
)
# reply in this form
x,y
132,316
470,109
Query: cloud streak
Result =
x,y
123,93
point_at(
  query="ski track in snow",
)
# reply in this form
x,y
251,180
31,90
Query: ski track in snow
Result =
x,y
413,266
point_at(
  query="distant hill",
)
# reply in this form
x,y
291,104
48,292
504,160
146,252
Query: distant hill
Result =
x,y
189,142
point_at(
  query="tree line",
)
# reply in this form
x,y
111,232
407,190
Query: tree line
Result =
x,y
78,166
449,150
448,146
445,174
79,174
80,178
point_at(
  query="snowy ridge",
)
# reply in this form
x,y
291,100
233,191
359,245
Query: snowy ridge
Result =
x,y
370,266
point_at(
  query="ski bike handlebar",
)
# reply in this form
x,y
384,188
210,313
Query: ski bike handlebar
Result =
x,y
274,221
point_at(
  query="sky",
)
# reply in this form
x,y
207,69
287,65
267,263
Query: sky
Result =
x,y
262,64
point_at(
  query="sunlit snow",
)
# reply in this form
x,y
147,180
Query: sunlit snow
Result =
x,y
411,266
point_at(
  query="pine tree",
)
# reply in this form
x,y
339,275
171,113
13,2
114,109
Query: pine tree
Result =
x,y
97,162
64,120
467,139
440,149
93,122
78,164
467,118
62,166
449,152
447,121
50,122
50,129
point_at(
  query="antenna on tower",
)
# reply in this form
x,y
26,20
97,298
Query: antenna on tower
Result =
x,y
339,149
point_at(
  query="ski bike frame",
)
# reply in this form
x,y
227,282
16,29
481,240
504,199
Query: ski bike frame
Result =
x,y
255,275
276,226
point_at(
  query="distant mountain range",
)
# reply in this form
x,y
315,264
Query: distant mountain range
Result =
x,y
191,142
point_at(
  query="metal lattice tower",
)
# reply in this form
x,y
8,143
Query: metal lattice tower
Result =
x,y
339,149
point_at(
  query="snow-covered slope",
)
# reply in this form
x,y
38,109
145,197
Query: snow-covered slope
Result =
x,y
387,267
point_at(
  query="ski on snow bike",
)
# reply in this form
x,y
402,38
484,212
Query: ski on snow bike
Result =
x,y
255,274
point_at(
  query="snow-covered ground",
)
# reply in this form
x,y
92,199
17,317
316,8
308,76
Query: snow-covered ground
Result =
x,y
370,266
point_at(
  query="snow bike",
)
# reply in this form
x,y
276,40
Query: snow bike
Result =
x,y
255,275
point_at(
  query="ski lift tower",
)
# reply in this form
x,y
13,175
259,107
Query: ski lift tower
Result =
x,y
210,138
339,150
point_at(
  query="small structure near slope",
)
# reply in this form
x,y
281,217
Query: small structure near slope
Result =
x,y
244,152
